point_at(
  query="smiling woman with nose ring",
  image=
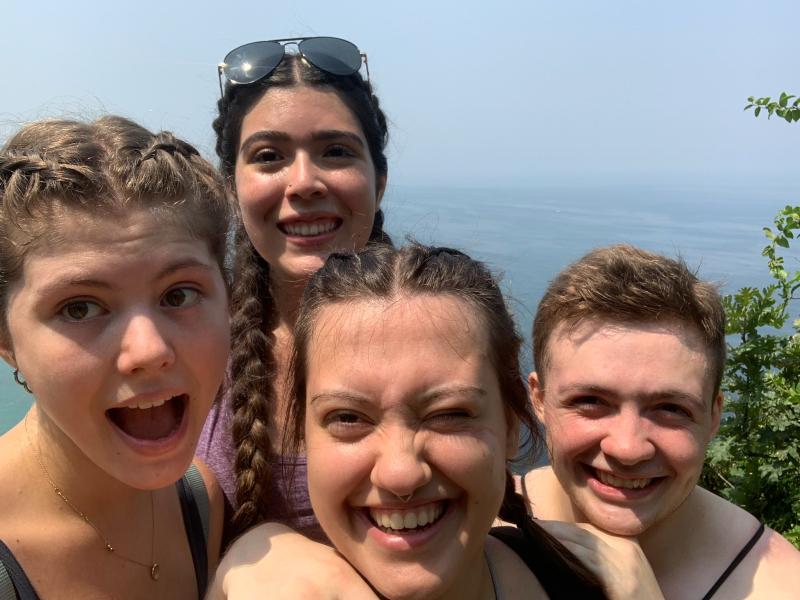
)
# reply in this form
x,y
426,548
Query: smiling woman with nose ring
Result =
x,y
406,402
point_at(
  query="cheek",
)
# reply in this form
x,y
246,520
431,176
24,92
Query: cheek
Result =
x,y
475,462
257,194
683,449
569,435
335,471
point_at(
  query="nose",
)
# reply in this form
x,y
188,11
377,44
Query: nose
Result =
x,y
144,346
305,178
627,439
400,466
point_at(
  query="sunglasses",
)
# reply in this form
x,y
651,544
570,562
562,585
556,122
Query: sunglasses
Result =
x,y
256,60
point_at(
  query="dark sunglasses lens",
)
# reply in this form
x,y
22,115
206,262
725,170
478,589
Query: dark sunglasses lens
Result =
x,y
333,55
251,62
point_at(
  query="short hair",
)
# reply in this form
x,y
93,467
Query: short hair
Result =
x,y
625,284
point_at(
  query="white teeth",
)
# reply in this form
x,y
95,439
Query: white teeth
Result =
x,y
310,229
146,405
629,484
407,519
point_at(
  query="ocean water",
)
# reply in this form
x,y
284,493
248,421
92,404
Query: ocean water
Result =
x,y
528,235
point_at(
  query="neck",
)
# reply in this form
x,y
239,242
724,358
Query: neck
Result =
x,y
287,296
677,529
57,461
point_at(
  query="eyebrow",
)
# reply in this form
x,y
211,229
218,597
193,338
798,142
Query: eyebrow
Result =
x,y
266,135
78,281
664,394
336,134
427,397
273,135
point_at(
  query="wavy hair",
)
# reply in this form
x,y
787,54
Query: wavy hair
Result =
x,y
106,167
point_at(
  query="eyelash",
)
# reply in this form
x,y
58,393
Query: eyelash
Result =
x,y
194,294
64,310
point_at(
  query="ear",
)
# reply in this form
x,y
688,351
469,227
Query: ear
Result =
x,y
8,355
380,188
536,392
716,414
512,436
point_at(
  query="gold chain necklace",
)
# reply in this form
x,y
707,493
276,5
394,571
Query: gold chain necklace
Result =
x,y
153,567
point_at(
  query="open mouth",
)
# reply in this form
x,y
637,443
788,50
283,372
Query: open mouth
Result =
x,y
415,519
608,479
310,229
151,421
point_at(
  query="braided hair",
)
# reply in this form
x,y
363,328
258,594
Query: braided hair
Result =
x,y
106,167
253,364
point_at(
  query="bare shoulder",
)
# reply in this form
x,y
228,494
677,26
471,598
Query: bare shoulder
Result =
x,y
544,494
770,569
777,573
216,516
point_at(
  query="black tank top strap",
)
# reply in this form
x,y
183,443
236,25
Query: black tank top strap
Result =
x,y
195,532
735,562
15,585
557,587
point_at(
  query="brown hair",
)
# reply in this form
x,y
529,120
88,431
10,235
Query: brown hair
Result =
x,y
625,284
387,273
253,365
105,167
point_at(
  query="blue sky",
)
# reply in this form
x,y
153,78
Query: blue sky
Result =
x,y
479,93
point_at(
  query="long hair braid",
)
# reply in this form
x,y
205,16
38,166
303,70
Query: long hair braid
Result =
x,y
253,372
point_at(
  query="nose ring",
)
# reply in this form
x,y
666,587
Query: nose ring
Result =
x,y
406,498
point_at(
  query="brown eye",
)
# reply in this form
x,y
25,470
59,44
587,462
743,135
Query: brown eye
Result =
x,y
81,310
181,297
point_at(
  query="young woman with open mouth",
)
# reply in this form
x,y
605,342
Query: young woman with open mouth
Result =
x,y
115,318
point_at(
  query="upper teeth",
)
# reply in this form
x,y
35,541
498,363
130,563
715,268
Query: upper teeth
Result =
x,y
309,229
152,404
609,479
407,519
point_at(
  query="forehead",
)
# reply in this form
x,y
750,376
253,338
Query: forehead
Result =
x,y
299,108
137,239
628,358
424,332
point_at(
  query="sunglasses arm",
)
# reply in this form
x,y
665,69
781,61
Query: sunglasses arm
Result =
x,y
220,66
366,64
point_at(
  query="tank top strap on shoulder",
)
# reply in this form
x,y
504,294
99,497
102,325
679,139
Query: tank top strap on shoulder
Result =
x,y
735,562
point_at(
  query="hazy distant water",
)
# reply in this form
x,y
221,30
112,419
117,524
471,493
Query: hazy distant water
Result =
x,y
530,234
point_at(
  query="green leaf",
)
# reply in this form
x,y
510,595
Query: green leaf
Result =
x,y
758,110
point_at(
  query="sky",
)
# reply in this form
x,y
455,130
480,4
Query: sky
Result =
x,y
501,94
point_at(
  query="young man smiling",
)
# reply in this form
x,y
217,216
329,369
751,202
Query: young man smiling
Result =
x,y
630,348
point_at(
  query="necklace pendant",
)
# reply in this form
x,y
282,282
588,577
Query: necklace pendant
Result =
x,y
155,571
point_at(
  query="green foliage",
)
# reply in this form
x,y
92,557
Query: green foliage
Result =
x,y
783,106
755,459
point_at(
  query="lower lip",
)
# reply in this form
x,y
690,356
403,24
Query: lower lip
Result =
x,y
161,446
312,240
403,542
616,494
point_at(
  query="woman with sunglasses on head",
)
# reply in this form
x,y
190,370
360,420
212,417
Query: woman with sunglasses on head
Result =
x,y
114,316
301,141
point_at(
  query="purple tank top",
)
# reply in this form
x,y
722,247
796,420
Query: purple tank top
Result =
x,y
288,500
